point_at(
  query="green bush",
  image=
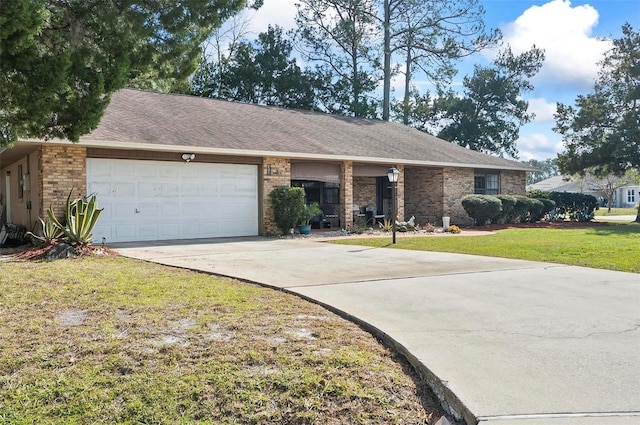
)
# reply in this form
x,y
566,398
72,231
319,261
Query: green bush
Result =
x,y
481,208
287,204
549,206
508,202
520,210
536,211
81,216
569,205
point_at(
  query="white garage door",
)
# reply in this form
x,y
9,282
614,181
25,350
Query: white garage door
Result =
x,y
159,200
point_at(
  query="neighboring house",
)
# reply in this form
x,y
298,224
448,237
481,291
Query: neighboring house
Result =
x,y
626,196
172,166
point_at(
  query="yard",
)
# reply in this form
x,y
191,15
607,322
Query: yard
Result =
x,y
114,340
602,211
613,247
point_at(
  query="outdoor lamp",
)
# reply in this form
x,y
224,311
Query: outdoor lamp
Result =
x,y
393,174
188,157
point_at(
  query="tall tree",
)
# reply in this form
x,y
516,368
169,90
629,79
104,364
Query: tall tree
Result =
x,y
261,72
607,184
340,37
602,131
60,60
430,36
489,115
548,168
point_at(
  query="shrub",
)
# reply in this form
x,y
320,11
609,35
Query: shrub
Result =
x,y
520,209
536,210
81,216
508,202
481,208
549,206
287,204
453,229
50,233
574,206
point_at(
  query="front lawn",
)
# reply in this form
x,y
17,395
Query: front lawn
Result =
x,y
615,247
602,211
114,340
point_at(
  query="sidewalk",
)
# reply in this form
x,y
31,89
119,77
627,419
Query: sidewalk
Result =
x,y
503,342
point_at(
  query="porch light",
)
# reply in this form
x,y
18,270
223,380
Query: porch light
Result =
x,y
392,175
188,157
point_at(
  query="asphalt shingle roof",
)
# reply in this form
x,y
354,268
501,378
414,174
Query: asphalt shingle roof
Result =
x,y
142,117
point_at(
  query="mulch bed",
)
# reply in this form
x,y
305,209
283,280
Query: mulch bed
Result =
x,y
545,225
33,253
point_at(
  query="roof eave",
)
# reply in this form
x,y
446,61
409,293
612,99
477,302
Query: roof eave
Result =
x,y
264,153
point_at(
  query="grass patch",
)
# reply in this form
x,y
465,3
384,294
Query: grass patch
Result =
x,y
114,340
613,247
602,211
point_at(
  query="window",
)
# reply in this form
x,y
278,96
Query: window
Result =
x,y
486,184
631,196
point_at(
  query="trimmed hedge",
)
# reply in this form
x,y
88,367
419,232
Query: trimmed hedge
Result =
x,y
481,208
568,205
508,202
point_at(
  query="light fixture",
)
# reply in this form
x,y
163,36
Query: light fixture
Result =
x,y
392,175
188,157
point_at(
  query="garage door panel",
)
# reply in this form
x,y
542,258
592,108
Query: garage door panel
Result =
x,y
124,190
122,210
173,200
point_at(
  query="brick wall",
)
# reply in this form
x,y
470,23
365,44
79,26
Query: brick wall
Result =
x,y
424,194
346,194
364,191
61,168
513,182
457,182
275,172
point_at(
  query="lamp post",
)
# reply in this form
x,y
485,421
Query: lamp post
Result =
x,y
392,175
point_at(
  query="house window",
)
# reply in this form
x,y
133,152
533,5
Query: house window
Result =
x,y
631,196
486,184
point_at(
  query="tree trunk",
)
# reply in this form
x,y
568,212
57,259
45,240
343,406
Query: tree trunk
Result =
x,y
386,92
407,93
638,216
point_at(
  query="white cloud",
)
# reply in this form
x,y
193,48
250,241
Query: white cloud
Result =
x,y
564,32
538,146
273,12
542,109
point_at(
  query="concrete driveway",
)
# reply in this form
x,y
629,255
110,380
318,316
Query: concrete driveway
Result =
x,y
503,342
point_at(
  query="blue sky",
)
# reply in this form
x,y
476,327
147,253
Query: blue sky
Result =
x,y
570,32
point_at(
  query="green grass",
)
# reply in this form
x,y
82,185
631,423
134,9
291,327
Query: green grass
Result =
x,y
113,340
616,211
615,247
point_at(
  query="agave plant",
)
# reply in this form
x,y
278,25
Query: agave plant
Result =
x,y
50,232
81,214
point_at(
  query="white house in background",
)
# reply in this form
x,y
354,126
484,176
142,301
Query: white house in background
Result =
x,y
625,197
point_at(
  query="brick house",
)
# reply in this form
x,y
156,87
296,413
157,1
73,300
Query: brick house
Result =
x,y
172,166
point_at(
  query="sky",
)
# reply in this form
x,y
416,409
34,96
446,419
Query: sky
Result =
x,y
570,32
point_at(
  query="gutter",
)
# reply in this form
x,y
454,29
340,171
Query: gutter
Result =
x,y
293,155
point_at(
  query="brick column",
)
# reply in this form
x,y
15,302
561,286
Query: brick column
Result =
x,y
457,182
346,194
275,172
61,168
400,192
